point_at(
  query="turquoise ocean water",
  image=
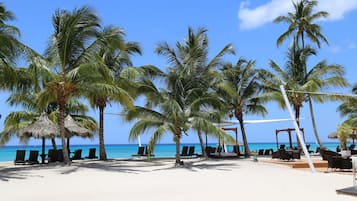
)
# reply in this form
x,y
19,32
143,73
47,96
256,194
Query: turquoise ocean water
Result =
x,y
7,153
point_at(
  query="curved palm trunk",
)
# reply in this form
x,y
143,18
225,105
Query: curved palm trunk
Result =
x,y
199,133
102,153
239,116
314,124
62,103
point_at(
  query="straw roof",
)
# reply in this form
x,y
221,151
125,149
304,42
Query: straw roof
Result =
x,y
332,135
74,130
43,127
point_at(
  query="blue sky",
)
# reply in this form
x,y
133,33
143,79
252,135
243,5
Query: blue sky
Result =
x,y
246,24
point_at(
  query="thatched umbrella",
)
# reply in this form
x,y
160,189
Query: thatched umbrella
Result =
x,y
73,129
333,135
42,128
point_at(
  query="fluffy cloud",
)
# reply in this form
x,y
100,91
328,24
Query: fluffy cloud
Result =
x,y
251,18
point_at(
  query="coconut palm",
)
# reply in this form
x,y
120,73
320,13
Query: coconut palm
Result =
x,y
15,121
73,33
239,89
320,77
191,67
169,113
113,53
301,24
177,108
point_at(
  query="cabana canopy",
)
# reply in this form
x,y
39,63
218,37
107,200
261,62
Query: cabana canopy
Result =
x,y
288,130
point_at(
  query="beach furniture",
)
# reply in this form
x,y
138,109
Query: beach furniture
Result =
x,y
267,152
33,158
140,151
20,157
184,151
325,153
337,162
52,155
91,154
191,151
261,152
60,155
147,153
77,155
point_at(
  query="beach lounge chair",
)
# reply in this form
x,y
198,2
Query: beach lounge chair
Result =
x,y
33,158
147,152
184,151
91,154
140,151
52,156
191,151
267,152
77,155
60,155
20,157
261,152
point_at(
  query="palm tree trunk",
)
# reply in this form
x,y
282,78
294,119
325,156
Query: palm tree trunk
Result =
x,y
314,124
62,105
199,133
177,141
102,153
239,117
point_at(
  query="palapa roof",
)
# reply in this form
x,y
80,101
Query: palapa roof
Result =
x,y
74,130
43,127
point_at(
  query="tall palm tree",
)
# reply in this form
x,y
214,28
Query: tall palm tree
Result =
x,y
301,24
191,67
320,77
113,53
239,89
177,108
73,31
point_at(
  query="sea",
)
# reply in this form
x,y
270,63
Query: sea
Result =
x,y
121,151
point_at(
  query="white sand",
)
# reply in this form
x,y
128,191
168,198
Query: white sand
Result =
x,y
159,180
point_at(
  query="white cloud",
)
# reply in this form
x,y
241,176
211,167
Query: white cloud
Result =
x,y
251,18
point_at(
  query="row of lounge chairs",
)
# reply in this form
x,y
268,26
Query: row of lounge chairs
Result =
x,y
52,156
188,151
143,151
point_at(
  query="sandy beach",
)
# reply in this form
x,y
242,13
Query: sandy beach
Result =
x,y
159,180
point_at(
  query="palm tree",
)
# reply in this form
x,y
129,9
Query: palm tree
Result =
x,y
239,88
14,121
73,31
113,53
8,36
170,115
191,66
178,108
301,24
296,82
